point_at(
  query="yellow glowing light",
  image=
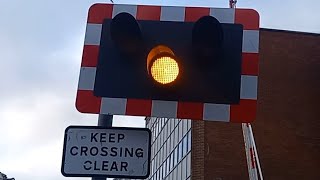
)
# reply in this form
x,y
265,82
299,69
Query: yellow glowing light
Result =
x,y
164,70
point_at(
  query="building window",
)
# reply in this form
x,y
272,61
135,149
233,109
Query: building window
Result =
x,y
165,150
188,165
180,151
165,168
189,141
165,132
172,124
163,154
161,175
179,171
180,129
159,158
189,124
171,161
168,164
171,144
153,166
168,145
184,145
162,137
185,127
160,140
156,130
175,173
176,137
176,121
172,141
184,168
175,162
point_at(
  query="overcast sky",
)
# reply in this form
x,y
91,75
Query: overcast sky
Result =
x,y
40,54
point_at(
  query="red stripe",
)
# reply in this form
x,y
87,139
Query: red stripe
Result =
x,y
148,12
139,107
243,112
90,56
249,18
86,102
250,64
253,164
98,12
192,14
190,110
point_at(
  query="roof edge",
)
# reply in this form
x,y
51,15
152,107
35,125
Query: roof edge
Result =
x,y
289,31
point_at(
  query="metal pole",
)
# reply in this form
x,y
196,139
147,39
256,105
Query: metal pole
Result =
x,y
255,151
104,121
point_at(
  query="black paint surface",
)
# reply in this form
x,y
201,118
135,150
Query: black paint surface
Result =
x,y
124,76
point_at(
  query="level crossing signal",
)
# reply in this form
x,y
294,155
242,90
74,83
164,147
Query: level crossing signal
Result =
x,y
175,62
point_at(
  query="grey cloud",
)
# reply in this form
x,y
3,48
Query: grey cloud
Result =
x,y
40,52
287,15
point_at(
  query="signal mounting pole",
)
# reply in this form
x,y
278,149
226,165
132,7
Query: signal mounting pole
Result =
x,y
232,3
104,120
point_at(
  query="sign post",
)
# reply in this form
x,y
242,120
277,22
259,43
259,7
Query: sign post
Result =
x,y
117,152
104,121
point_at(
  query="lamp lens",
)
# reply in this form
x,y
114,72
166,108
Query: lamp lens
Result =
x,y
164,69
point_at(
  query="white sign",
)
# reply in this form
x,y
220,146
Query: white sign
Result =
x,y
116,152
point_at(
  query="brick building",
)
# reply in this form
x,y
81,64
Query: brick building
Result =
x,y
170,148
287,129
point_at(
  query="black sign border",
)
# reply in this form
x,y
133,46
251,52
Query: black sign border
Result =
x,y
100,175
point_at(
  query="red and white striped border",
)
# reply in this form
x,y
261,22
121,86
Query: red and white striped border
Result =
x,y
250,153
86,102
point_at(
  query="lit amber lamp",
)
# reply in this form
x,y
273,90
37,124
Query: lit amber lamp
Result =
x,y
162,65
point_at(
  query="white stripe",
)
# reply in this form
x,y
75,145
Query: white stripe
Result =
x,y
223,15
164,109
119,8
93,34
169,13
216,112
250,42
113,106
249,87
87,78
246,144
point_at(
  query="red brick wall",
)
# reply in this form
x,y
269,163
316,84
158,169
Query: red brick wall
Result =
x,y
224,152
287,129
197,150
